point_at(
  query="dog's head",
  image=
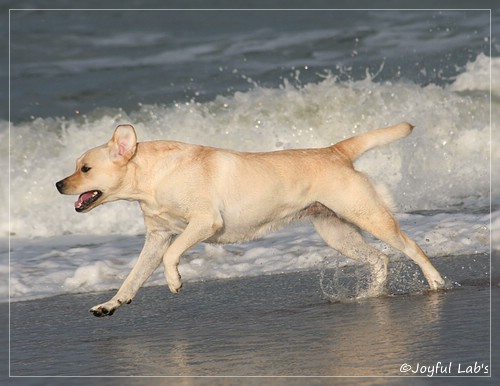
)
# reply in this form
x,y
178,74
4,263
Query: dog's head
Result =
x,y
100,173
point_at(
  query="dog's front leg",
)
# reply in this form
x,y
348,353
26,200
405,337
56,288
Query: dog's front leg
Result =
x,y
149,259
198,230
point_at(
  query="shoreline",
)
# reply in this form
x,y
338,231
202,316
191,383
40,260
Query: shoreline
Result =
x,y
458,269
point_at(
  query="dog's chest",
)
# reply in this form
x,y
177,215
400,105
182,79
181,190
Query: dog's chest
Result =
x,y
164,220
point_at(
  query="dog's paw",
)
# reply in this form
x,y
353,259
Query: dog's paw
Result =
x,y
437,284
173,280
106,309
175,288
100,311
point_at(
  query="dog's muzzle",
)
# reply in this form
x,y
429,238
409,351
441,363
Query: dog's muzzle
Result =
x,y
85,200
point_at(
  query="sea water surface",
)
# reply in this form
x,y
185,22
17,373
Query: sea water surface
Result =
x,y
251,81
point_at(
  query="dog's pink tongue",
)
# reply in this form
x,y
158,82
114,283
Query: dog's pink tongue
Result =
x,y
83,197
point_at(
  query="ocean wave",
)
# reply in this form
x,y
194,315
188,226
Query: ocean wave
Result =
x,y
444,164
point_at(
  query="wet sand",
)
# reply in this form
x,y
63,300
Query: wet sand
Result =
x,y
279,325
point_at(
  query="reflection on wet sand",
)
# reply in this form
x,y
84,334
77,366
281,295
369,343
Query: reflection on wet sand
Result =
x,y
238,328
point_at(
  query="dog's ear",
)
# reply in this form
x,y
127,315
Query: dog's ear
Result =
x,y
123,144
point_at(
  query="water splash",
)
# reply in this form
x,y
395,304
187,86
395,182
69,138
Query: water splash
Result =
x,y
345,282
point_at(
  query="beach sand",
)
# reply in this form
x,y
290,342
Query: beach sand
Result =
x,y
276,325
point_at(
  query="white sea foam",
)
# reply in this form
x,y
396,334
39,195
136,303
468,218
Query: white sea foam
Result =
x,y
477,76
443,165
69,264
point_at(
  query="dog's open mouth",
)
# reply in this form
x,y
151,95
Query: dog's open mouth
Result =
x,y
86,199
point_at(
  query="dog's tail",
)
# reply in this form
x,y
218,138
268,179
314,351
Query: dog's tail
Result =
x,y
353,147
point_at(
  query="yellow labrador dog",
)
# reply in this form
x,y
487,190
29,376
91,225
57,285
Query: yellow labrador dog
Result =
x,y
191,194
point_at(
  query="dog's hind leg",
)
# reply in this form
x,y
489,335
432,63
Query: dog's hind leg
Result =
x,y
346,239
149,259
381,224
360,205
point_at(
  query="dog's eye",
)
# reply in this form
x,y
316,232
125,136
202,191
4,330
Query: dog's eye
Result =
x,y
85,169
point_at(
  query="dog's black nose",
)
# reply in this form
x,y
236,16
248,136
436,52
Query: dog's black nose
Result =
x,y
60,185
